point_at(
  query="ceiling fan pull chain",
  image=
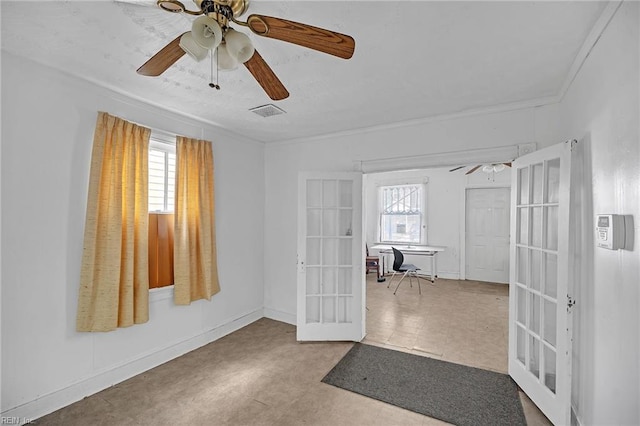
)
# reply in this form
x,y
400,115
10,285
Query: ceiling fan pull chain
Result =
x,y
212,84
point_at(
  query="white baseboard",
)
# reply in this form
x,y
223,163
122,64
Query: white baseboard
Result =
x,y
280,316
449,275
101,380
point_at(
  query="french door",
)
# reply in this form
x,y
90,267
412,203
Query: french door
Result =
x,y
539,300
330,257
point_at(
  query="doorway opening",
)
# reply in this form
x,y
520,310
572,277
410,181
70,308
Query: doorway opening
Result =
x,y
455,319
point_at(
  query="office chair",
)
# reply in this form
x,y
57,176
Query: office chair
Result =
x,y
407,268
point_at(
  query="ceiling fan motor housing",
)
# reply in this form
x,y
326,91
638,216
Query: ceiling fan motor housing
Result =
x,y
237,7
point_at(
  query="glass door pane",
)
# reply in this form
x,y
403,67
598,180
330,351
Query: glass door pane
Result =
x,y
553,180
523,186
329,193
346,193
550,368
537,183
314,193
314,222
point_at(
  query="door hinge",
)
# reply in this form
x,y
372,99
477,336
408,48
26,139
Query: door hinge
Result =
x,y
570,302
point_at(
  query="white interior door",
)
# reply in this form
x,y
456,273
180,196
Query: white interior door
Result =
x,y
330,257
487,234
539,312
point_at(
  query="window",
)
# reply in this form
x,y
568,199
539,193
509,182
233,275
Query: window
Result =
x,y
402,214
162,176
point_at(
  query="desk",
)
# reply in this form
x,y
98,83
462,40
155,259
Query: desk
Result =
x,y
420,250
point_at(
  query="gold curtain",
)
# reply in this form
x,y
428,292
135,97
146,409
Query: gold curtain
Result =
x,y
195,259
114,280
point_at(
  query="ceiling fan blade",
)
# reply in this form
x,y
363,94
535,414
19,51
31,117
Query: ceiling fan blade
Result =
x,y
137,2
474,169
315,38
266,78
162,60
456,168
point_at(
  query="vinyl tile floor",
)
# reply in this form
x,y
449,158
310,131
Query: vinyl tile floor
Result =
x,y
260,374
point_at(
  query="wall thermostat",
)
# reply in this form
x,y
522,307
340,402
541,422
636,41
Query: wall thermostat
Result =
x,y
610,232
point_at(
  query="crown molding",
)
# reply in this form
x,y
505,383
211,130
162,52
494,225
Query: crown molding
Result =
x,y
488,110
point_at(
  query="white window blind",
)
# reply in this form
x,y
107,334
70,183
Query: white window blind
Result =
x,y
162,175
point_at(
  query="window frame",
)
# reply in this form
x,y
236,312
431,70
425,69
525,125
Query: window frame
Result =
x,y
165,142
422,184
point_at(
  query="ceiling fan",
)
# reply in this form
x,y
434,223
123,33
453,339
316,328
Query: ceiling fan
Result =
x,y
487,168
211,33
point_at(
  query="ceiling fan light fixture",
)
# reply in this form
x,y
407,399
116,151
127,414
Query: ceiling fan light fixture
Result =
x,y
499,167
239,45
193,49
226,62
206,32
494,168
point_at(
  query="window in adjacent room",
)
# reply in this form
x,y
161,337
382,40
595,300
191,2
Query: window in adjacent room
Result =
x,y
402,214
162,172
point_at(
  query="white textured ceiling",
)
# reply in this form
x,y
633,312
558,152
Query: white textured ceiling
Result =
x,y
413,59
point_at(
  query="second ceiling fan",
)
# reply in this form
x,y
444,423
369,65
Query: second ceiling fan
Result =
x,y
211,33
487,168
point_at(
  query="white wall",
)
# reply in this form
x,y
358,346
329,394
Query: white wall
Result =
x,y
601,109
48,120
444,214
337,153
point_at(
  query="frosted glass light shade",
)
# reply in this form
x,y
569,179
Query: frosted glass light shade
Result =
x,y
499,167
193,49
226,62
239,45
206,32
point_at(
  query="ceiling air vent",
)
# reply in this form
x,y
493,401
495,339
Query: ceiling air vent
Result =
x,y
267,110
